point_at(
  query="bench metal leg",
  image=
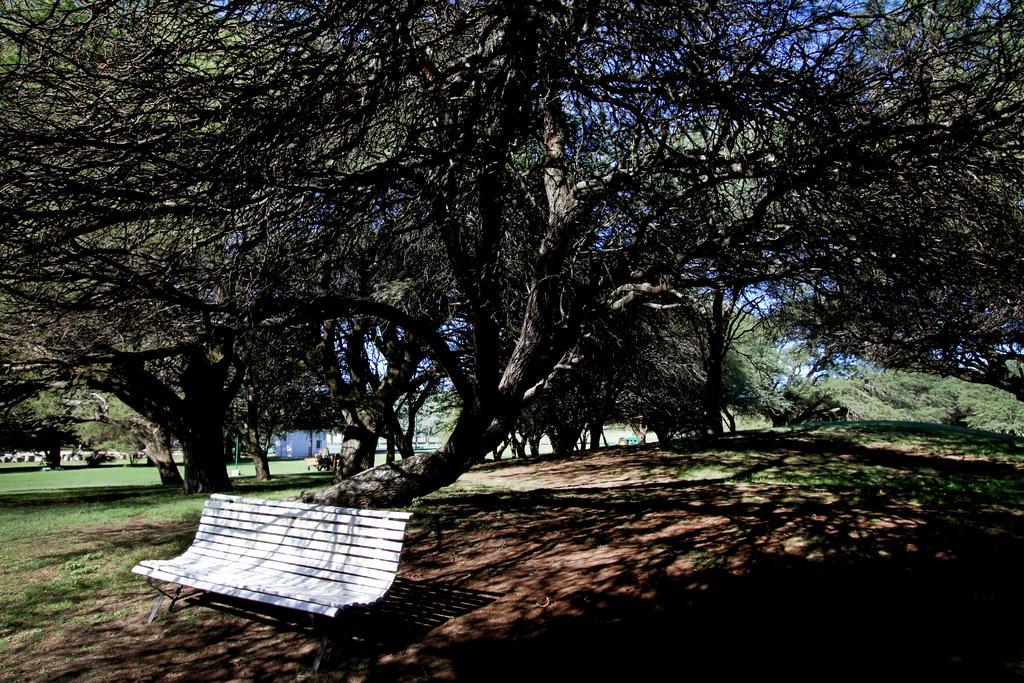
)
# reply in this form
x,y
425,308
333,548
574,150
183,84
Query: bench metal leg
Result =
x,y
160,599
156,608
325,633
177,594
320,653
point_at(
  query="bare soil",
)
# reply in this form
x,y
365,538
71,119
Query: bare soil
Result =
x,y
616,565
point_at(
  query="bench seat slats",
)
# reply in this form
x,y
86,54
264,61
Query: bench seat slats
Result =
x,y
276,563
299,527
293,586
221,553
276,533
314,558
265,580
337,566
233,591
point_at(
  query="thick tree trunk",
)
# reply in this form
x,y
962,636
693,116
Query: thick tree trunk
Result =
x,y
195,415
716,351
500,448
518,445
534,442
259,459
53,453
358,448
596,430
158,452
731,419
640,431
398,484
205,465
390,447
207,393
563,440
257,452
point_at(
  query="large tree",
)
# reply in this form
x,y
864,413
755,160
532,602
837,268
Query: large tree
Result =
x,y
588,136
560,163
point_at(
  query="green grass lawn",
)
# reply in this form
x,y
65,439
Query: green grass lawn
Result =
x,y
66,547
865,457
935,437
24,477
75,476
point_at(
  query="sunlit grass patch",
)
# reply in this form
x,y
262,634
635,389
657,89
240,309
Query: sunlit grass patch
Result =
x,y
936,438
703,473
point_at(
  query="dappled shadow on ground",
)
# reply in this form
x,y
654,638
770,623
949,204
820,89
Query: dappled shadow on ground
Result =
x,y
830,449
105,494
612,567
738,582
881,572
211,637
407,613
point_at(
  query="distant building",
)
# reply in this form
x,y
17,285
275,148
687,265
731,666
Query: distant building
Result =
x,y
306,444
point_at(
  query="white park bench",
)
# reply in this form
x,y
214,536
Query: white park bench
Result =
x,y
313,558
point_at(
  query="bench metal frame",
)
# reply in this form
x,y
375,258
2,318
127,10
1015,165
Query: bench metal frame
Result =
x,y
317,559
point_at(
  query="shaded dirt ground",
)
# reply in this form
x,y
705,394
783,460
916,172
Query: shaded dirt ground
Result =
x,y
758,560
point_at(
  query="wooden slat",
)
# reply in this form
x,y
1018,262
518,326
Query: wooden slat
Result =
x,y
371,534
387,514
294,541
338,566
290,586
344,563
295,585
277,564
313,550
368,534
202,584
255,582
288,526
385,528
357,577
339,515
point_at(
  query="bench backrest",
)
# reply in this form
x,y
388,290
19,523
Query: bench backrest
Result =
x,y
359,548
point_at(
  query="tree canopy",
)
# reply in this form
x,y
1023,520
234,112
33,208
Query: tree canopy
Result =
x,y
487,183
